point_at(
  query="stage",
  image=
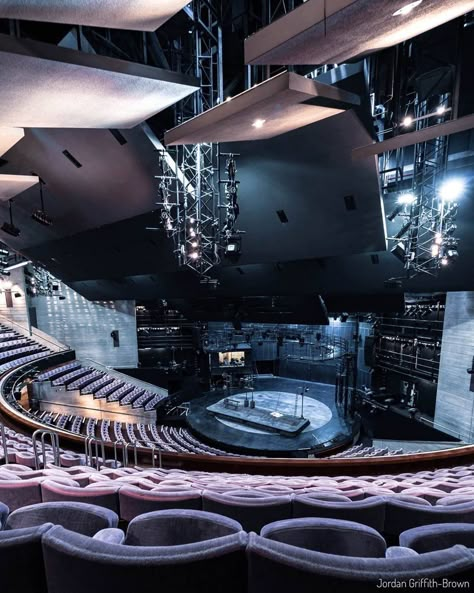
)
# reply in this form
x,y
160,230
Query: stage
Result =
x,y
274,427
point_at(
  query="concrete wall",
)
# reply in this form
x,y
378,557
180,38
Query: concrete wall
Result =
x,y
454,411
18,313
86,326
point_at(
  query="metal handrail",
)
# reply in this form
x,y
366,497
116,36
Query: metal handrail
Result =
x,y
54,445
4,441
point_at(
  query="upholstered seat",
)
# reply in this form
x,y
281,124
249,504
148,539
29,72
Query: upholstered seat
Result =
x,y
331,536
277,567
87,519
52,492
76,563
252,512
134,501
438,536
178,527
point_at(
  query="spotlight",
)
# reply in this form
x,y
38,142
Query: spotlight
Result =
x,y
258,123
194,255
403,230
404,10
438,238
41,217
194,244
407,198
434,250
452,253
407,121
396,211
441,110
10,229
399,252
451,190
233,246
444,261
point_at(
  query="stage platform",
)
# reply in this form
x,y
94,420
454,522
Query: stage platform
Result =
x,y
234,409
324,431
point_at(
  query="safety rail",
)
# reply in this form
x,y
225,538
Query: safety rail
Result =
x,y
54,445
33,332
92,444
4,440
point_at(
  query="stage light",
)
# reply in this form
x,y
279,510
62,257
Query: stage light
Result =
x,y
41,217
444,261
194,255
434,250
395,212
192,233
407,198
404,10
452,253
438,238
192,220
441,110
194,244
399,252
258,123
451,190
19,265
407,121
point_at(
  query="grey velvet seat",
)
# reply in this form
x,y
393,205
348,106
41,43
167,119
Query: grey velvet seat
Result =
x,y
279,568
54,492
370,511
83,518
21,560
76,563
401,515
134,501
19,493
438,536
178,527
331,536
251,513
4,510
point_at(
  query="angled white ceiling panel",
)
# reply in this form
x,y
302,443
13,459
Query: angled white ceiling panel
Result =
x,y
140,15
44,86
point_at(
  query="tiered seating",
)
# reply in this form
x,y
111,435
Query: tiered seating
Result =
x,y
105,430
90,427
119,393
144,398
117,426
99,383
85,380
58,371
76,424
134,394
108,389
71,376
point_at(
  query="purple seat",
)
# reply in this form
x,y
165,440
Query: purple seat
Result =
x,y
76,563
87,519
438,536
253,513
53,492
277,567
4,510
19,493
135,501
331,536
370,511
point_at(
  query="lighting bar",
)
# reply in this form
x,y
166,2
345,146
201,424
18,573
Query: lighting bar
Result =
x,y
19,265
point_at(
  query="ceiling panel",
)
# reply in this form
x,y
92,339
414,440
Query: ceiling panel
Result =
x,y
277,106
140,15
351,28
9,137
12,185
44,86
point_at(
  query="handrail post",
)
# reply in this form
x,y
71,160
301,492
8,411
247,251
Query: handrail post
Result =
x,y
4,442
125,454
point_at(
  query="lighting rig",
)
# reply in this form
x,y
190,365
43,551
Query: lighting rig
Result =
x,y
198,217
40,214
39,282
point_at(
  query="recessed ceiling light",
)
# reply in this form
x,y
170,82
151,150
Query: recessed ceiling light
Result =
x,y
404,10
258,123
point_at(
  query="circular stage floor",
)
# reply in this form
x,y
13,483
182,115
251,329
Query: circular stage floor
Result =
x,y
283,402
327,428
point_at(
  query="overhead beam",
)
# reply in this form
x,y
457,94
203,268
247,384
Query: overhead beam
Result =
x,y
401,141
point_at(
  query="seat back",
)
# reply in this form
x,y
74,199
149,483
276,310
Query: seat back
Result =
x,y
134,501
83,518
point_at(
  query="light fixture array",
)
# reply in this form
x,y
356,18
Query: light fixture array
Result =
x,y
193,212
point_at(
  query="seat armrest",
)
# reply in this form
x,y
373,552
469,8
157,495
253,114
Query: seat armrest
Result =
x,y
399,552
111,535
